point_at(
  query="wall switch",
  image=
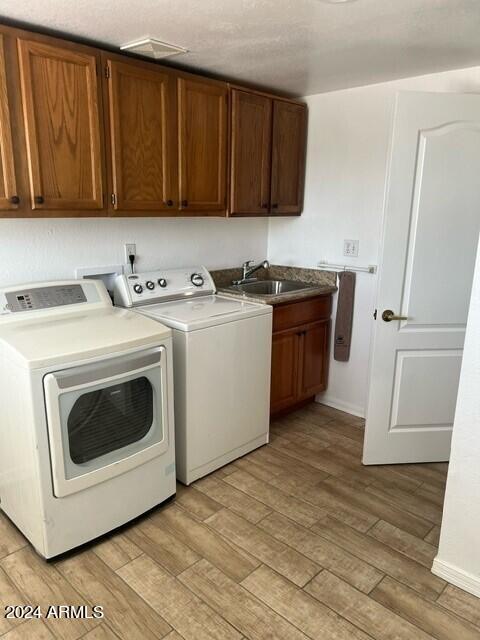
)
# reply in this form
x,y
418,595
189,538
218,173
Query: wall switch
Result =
x,y
350,248
130,250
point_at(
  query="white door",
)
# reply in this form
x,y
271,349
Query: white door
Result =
x,y
431,227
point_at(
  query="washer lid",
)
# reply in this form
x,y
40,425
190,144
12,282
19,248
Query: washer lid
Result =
x,y
202,312
65,339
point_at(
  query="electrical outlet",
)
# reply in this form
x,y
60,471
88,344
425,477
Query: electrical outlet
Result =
x,y
350,248
130,250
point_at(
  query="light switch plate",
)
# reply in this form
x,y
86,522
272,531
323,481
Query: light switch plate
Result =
x,y
350,248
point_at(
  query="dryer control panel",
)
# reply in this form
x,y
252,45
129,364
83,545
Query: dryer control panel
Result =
x,y
161,285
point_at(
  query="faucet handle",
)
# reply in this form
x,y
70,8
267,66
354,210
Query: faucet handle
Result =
x,y
247,263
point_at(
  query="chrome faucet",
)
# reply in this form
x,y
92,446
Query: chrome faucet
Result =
x,y
248,270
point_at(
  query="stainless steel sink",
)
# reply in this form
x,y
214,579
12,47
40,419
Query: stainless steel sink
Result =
x,y
270,287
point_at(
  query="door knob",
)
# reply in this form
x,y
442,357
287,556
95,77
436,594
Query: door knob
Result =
x,y
388,315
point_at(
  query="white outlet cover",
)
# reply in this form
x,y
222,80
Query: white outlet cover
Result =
x,y
350,248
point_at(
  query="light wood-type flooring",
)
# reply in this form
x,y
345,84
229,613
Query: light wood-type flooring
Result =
x,y
295,540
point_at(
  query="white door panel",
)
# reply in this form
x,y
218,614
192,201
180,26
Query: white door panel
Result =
x,y
432,221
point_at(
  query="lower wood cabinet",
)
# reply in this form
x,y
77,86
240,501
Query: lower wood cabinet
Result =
x,y
300,352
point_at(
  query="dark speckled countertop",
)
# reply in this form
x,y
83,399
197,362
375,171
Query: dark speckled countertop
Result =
x,y
320,283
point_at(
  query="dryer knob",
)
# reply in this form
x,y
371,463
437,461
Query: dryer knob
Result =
x,y
150,285
137,288
162,282
197,279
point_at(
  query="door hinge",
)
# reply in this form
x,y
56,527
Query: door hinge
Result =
x,y
114,199
375,314
107,71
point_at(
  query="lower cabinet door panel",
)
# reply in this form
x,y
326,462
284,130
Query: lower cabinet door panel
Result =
x,y
284,385
314,359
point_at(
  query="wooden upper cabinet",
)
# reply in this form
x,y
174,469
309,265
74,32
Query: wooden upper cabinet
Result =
x,y
202,136
251,133
62,125
143,128
8,182
288,157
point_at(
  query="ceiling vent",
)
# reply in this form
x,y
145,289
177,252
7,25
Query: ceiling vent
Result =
x,y
151,48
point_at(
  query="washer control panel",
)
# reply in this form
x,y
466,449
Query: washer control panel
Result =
x,y
161,285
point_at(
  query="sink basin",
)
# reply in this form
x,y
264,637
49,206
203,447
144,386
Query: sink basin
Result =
x,y
270,287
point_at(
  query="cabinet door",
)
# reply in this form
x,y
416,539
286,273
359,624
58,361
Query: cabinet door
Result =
x,y
285,360
142,109
288,157
8,182
62,122
251,140
313,361
202,109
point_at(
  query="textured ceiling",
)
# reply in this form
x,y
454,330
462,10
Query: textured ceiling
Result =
x,y
297,46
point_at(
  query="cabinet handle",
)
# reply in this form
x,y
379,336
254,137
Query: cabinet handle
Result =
x,y
169,203
14,200
275,206
38,200
184,203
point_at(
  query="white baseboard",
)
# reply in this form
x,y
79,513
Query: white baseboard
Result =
x,y
336,403
460,578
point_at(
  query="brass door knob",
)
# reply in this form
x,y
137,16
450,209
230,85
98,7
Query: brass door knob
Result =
x,y
388,315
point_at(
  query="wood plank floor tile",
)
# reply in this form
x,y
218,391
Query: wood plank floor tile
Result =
x,y
462,603
116,550
323,552
41,584
301,609
343,509
411,546
434,494
296,509
10,537
9,595
322,410
30,630
103,632
430,617
423,473
280,557
197,504
264,471
411,503
367,614
320,460
238,501
161,545
207,543
382,557
304,426
280,464
242,610
125,612
184,611
433,536
380,507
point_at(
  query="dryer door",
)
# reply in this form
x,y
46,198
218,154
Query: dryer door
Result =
x,y
106,418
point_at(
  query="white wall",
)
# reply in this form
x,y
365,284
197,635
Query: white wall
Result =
x,y
52,249
348,143
458,559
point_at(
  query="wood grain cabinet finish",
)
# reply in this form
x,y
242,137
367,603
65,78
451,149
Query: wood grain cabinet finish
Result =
x,y
288,157
9,199
62,125
202,135
251,139
300,352
143,136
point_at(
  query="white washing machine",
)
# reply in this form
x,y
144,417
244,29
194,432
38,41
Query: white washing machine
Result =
x,y
87,427
222,356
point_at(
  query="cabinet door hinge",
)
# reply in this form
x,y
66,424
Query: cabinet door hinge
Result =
x,y
114,199
107,71
375,314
